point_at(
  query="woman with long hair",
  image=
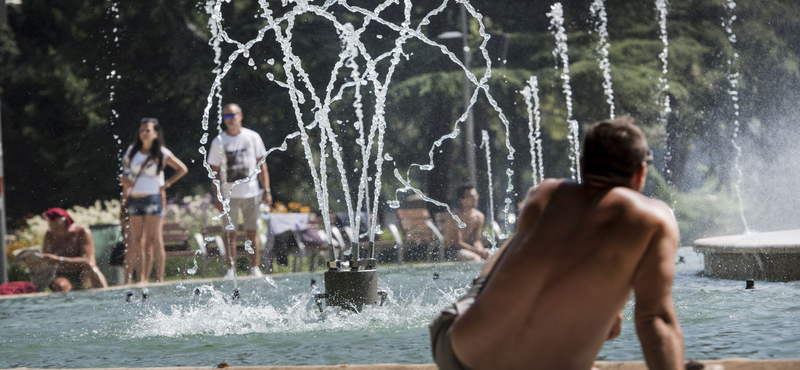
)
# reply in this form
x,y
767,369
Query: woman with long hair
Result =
x,y
143,187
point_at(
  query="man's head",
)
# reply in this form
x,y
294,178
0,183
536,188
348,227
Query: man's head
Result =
x,y
57,216
615,151
232,117
467,196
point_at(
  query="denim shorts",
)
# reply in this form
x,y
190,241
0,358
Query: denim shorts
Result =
x,y
145,206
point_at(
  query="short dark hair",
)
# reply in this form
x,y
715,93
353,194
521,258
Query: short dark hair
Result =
x,y
463,189
614,148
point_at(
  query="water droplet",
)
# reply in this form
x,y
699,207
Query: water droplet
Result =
x,y
270,61
204,139
248,246
394,204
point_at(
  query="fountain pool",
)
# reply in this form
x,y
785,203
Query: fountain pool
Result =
x,y
277,323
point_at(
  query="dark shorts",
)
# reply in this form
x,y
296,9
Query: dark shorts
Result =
x,y
145,206
441,327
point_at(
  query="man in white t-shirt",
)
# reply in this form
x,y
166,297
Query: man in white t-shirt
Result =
x,y
243,150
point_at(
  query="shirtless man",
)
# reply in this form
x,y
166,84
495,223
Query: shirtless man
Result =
x,y
71,249
554,293
466,244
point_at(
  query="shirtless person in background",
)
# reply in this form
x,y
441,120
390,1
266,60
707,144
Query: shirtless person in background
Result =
x,y
553,294
466,244
70,248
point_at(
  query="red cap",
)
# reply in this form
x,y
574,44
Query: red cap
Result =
x,y
54,213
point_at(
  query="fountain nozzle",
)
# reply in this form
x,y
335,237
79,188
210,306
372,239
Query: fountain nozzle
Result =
x,y
750,284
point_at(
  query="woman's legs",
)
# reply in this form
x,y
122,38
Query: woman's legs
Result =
x,y
154,226
135,256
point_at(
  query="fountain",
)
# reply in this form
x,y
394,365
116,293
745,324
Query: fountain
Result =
x,y
770,256
350,283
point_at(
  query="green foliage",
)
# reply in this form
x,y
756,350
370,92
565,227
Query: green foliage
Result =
x,y
59,122
703,213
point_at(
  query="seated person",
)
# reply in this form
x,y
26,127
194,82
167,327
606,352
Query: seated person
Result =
x,y
465,244
70,248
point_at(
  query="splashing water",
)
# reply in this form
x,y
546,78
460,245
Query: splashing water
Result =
x,y
364,74
481,86
485,144
112,13
598,10
193,269
281,309
733,82
556,16
531,91
662,100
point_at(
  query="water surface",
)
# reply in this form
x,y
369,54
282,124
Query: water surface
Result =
x,y
277,323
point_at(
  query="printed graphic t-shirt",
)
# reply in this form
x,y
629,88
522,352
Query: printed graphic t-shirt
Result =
x,y
151,180
241,155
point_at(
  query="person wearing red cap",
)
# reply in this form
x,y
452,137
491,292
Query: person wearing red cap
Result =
x,y
70,248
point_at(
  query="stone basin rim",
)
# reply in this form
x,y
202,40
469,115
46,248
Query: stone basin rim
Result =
x,y
785,241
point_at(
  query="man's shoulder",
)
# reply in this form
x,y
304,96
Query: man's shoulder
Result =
x,y
478,215
640,204
250,133
543,191
79,230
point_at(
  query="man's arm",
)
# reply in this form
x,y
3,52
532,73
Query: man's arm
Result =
x,y
48,254
87,259
656,321
263,177
214,189
454,237
477,235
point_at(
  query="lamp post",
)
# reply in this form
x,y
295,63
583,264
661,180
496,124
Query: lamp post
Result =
x,y
469,140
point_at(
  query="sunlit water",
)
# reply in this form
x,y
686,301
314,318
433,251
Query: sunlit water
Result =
x,y
277,323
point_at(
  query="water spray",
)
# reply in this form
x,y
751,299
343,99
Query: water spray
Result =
x,y
556,16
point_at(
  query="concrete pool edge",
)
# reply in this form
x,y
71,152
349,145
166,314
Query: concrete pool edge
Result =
x,y
726,364
139,286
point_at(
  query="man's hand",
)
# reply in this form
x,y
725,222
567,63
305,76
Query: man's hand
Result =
x,y
51,259
266,198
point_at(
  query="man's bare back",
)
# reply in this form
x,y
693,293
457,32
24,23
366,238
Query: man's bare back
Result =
x,y
564,277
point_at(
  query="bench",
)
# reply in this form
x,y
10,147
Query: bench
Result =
x,y
417,228
176,242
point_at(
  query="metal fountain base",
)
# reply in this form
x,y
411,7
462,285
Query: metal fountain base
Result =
x,y
351,288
